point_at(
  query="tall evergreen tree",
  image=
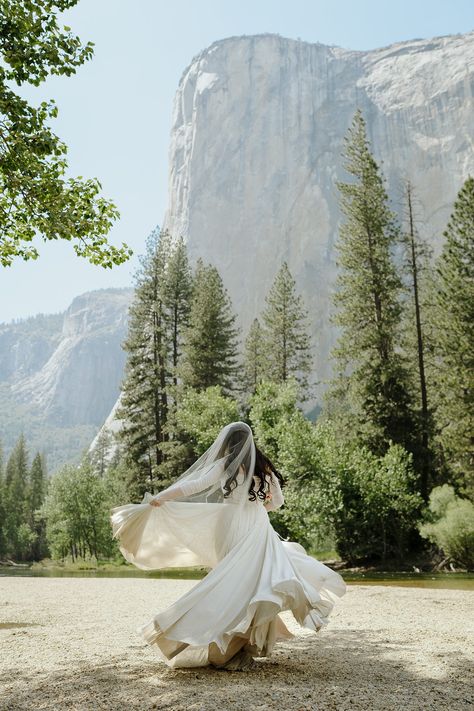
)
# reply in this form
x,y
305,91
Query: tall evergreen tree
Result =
x,y
211,339
2,504
254,357
177,299
372,378
416,267
287,340
177,289
453,316
100,457
37,486
16,498
36,497
144,398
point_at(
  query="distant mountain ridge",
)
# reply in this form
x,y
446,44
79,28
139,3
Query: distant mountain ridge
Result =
x,y
26,344
60,374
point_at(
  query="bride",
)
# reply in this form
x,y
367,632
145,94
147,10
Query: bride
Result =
x,y
215,515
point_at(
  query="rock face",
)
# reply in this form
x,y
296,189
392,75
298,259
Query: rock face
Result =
x,y
60,374
257,137
79,382
26,345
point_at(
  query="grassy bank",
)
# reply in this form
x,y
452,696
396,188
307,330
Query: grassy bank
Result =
x,y
413,573
108,567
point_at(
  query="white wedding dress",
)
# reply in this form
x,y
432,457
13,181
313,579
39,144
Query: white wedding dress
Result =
x,y
254,575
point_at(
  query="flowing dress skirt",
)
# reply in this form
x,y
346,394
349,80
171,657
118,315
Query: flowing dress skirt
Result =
x,y
254,576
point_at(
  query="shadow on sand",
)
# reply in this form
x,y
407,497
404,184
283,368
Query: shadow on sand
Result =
x,y
340,670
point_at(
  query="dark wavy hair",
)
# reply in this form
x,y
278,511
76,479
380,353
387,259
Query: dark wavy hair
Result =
x,y
264,468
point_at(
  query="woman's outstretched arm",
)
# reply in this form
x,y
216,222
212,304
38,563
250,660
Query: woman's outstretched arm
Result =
x,y
186,488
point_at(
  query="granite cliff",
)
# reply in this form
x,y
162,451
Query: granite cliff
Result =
x,y
256,143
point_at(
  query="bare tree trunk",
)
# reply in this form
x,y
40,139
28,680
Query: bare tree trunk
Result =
x,y
424,470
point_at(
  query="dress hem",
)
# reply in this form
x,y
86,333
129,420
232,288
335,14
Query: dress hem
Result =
x,y
152,633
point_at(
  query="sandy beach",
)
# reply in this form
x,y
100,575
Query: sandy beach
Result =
x,y
70,643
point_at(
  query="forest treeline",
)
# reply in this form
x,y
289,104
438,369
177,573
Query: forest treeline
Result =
x,y
385,473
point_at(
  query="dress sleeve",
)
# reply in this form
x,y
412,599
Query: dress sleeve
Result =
x,y
186,488
277,499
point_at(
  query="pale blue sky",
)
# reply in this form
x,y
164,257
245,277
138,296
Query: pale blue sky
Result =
x,y
115,114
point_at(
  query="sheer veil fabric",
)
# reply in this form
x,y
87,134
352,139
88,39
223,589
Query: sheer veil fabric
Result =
x,y
206,518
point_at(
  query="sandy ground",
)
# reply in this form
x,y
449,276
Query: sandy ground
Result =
x,y
385,648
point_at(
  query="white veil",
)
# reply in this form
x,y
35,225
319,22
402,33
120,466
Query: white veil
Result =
x,y
190,530
223,473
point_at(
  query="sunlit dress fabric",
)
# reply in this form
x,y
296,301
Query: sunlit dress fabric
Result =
x,y
254,576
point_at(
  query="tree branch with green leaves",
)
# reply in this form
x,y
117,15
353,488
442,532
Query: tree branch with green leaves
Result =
x,y
36,197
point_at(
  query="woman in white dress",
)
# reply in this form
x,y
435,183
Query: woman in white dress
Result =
x,y
216,515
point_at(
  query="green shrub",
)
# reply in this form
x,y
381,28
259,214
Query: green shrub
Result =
x,y
449,525
203,413
336,492
77,509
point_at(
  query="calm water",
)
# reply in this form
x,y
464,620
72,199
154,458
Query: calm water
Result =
x,y
447,581
185,574
453,581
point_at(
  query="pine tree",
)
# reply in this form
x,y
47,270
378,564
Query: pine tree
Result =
x,y
371,376
2,504
416,266
144,398
453,317
211,339
36,497
37,485
254,358
177,299
100,457
16,498
287,341
177,288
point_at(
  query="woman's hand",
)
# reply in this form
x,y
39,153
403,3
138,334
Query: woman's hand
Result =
x,y
155,502
268,502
